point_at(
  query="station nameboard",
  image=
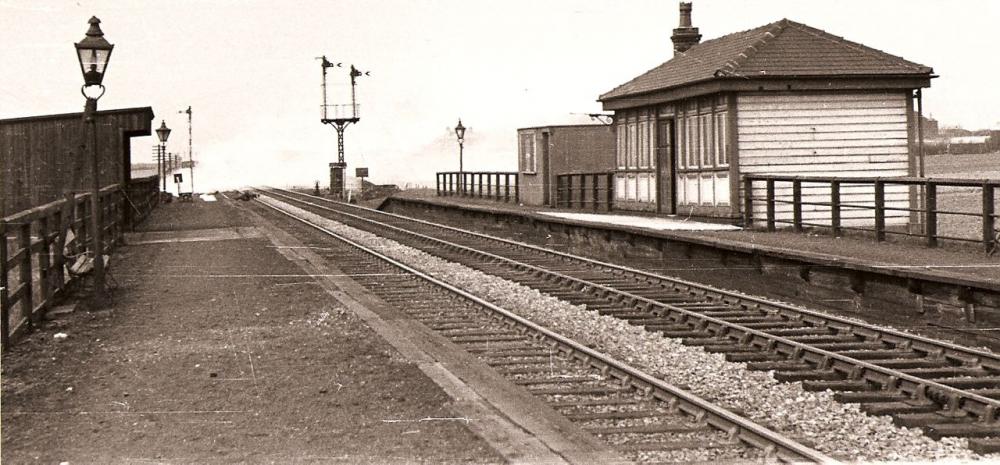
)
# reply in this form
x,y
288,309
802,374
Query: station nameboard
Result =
x,y
361,172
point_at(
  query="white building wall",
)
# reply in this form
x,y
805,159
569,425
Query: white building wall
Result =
x,y
835,134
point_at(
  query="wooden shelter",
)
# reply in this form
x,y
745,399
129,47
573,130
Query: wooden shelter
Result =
x,y
783,98
44,157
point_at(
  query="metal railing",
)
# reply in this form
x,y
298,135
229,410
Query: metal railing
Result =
x,y
494,185
37,244
931,208
595,191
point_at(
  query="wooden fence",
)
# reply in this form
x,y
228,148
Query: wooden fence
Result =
x,y
828,202
594,191
479,184
36,245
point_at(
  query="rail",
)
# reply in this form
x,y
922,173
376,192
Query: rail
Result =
x,y
479,184
574,191
38,243
930,208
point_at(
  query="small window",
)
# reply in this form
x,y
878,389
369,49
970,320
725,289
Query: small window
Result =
x,y
528,153
722,157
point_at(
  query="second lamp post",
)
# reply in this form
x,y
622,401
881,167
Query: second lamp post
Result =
x,y
161,159
460,132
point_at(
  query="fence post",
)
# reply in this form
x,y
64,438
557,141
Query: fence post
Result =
x,y
931,214
26,278
611,191
747,202
989,231
480,185
593,187
4,305
44,279
770,204
879,210
797,205
437,184
506,187
835,208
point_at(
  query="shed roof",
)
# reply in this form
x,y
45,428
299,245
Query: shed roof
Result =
x,y
783,48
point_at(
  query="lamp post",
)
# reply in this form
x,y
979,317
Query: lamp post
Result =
x,y
94,52
161,162
460,132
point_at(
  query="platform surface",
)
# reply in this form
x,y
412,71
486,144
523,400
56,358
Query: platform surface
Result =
x,y
217,348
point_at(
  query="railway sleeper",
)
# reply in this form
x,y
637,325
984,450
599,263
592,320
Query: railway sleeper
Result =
x,y
684,332
852,385
945,372
985,445
870,397
582,390
730,348
802,331
527,360
622,415
899,407
556,380
528,369
780,365
992,393
807,375
880,354
648,429
682,444
907,363
729,313
567,404
485,339
839,346
936,418
978,382
755,356
824,338
707,341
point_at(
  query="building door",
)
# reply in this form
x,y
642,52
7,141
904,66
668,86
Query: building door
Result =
x,y
545,171
666,184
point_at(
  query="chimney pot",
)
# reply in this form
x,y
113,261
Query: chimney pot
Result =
x,y
685,36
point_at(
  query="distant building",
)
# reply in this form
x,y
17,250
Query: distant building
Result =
x,y
783,98
545,152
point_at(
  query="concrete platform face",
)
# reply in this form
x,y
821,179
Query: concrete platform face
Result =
x,y
221,350
669,223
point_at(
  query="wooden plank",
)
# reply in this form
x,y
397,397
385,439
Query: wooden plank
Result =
x,y
44,276
810,160
818,127
833,169
26,278
829,104
824,144
817,135
811,121
823,112
831,97
827,151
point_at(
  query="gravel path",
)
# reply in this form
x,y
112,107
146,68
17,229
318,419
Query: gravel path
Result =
x,y
838,429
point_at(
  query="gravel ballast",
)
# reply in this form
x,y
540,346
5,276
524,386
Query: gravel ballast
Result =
x,y
838,429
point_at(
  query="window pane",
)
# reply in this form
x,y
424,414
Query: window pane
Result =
x,y
681,151
705,140
620,187
620,156
644,144
723,156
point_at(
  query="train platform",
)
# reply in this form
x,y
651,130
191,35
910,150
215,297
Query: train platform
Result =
x,y
224,343
953,289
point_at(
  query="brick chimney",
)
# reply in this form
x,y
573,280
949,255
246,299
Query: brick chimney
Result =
x,y
685,36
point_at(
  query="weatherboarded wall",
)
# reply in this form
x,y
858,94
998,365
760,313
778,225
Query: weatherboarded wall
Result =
x,y
44,157
829,134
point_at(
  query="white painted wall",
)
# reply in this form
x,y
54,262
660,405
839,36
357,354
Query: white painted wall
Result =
x,y
835,134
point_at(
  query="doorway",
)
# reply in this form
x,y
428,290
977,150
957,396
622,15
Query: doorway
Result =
x,y
666,198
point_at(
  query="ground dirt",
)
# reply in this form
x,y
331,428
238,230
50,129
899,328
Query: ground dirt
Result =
x,y
220,352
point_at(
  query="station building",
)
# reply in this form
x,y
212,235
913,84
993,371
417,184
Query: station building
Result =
x,y
783,98
545,152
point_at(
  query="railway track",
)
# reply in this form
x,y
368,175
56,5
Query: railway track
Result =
x,y
642,417
944,388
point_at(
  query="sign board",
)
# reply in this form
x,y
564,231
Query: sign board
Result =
x,y
178,178
361,172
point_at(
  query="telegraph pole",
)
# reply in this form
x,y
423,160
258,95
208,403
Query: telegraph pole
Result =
x,y
190,152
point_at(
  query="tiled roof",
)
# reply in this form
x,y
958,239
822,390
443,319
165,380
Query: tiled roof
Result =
x,y
783,48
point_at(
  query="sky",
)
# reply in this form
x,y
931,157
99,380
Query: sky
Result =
x,y
249,71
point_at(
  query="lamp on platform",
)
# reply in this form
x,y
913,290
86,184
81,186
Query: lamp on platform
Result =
x,y
94,52
460,132
163,132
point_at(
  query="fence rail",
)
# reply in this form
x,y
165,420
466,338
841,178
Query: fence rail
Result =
x,y
595,191
867,204
37,244
479,184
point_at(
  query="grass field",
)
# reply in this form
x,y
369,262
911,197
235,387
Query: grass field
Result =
x,y
966,200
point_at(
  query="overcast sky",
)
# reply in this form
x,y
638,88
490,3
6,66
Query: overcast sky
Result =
x,y
248,70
